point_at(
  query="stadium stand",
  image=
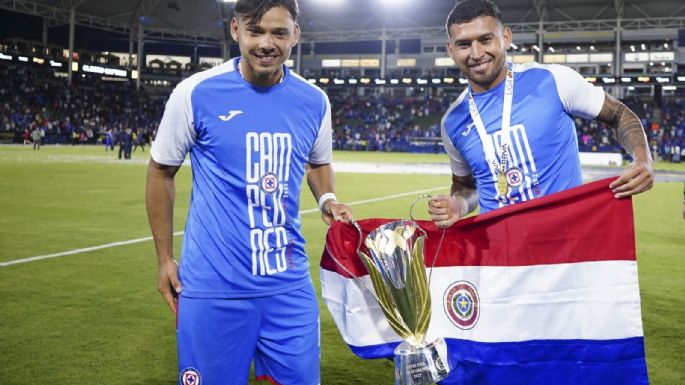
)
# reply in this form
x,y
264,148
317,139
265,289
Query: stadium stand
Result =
x,y
77,114
385,121
387,78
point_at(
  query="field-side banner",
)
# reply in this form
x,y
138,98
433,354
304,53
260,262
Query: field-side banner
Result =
x,y
543,292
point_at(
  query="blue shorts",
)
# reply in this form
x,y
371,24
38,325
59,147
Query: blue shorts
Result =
x,y
218,339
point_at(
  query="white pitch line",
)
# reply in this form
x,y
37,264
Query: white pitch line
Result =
x,y
145,239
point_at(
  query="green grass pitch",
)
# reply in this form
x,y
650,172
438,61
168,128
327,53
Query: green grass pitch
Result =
x,y
96,318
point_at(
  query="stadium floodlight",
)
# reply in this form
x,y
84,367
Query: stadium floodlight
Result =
x,y
394,3
330,2
394,81
626,80
5,57
551,49
230,1
514,46
536,48
577,48
632,48
670,88
592,47
681,78
666,45
643,46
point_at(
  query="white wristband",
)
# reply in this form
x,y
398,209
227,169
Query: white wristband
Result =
x,y
323,198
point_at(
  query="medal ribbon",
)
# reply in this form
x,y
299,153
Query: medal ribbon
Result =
x,y
496,167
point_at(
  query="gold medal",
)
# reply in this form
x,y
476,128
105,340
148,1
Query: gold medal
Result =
x,y
502,185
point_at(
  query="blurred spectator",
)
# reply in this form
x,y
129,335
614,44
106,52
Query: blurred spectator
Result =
x,y
36,136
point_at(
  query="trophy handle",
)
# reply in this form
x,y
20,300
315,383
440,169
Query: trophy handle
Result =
x,y
425,234
411,208
345,269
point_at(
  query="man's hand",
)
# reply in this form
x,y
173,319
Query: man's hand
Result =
x,y
336,212
446,210
637,178
168,284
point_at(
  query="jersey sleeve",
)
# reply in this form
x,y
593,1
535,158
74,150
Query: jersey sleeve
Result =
x,y
457,162
579,97
176,132
322,151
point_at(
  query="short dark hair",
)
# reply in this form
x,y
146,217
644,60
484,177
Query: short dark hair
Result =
x,y
254,10
467,10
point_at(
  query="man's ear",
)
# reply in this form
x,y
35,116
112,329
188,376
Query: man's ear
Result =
x,y
234,29
296,36
507,37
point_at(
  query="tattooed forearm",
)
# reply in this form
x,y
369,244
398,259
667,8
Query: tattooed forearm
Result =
x,y
626,125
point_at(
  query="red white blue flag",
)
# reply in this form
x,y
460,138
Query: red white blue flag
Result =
x,y
543,292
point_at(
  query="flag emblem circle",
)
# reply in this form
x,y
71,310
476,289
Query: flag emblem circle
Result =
x,y
269,183
190,376
462,304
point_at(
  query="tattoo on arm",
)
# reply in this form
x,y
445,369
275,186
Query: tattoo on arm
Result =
x,y
625,124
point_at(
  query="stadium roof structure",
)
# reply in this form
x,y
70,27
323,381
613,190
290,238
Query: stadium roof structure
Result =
x,y
207,20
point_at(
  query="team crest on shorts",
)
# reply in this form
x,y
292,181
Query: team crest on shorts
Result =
x,y
514,177
269,183
462,305
190,376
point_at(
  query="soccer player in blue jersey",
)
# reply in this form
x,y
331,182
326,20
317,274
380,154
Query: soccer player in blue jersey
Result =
x,y
510,135
253,130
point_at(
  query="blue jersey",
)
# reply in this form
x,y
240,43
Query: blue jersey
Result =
x,y
248,148
544,149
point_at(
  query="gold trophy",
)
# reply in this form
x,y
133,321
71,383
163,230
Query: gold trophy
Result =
x,y
398,273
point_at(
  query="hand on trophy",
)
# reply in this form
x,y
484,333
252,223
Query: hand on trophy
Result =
x,y
445,210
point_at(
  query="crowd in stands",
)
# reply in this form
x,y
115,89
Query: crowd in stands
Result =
x,y
91,111
664,127
81,113
388,123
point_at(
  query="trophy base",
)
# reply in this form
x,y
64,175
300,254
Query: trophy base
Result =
x,y
421,365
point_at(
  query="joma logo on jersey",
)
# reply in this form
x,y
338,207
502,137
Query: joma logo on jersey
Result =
x,y
231,114
267,160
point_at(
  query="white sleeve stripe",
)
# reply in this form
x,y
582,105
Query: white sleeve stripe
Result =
x,y
176,132
322,150
457,162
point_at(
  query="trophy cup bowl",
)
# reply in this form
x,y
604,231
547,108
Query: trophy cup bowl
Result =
x,y
396,266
